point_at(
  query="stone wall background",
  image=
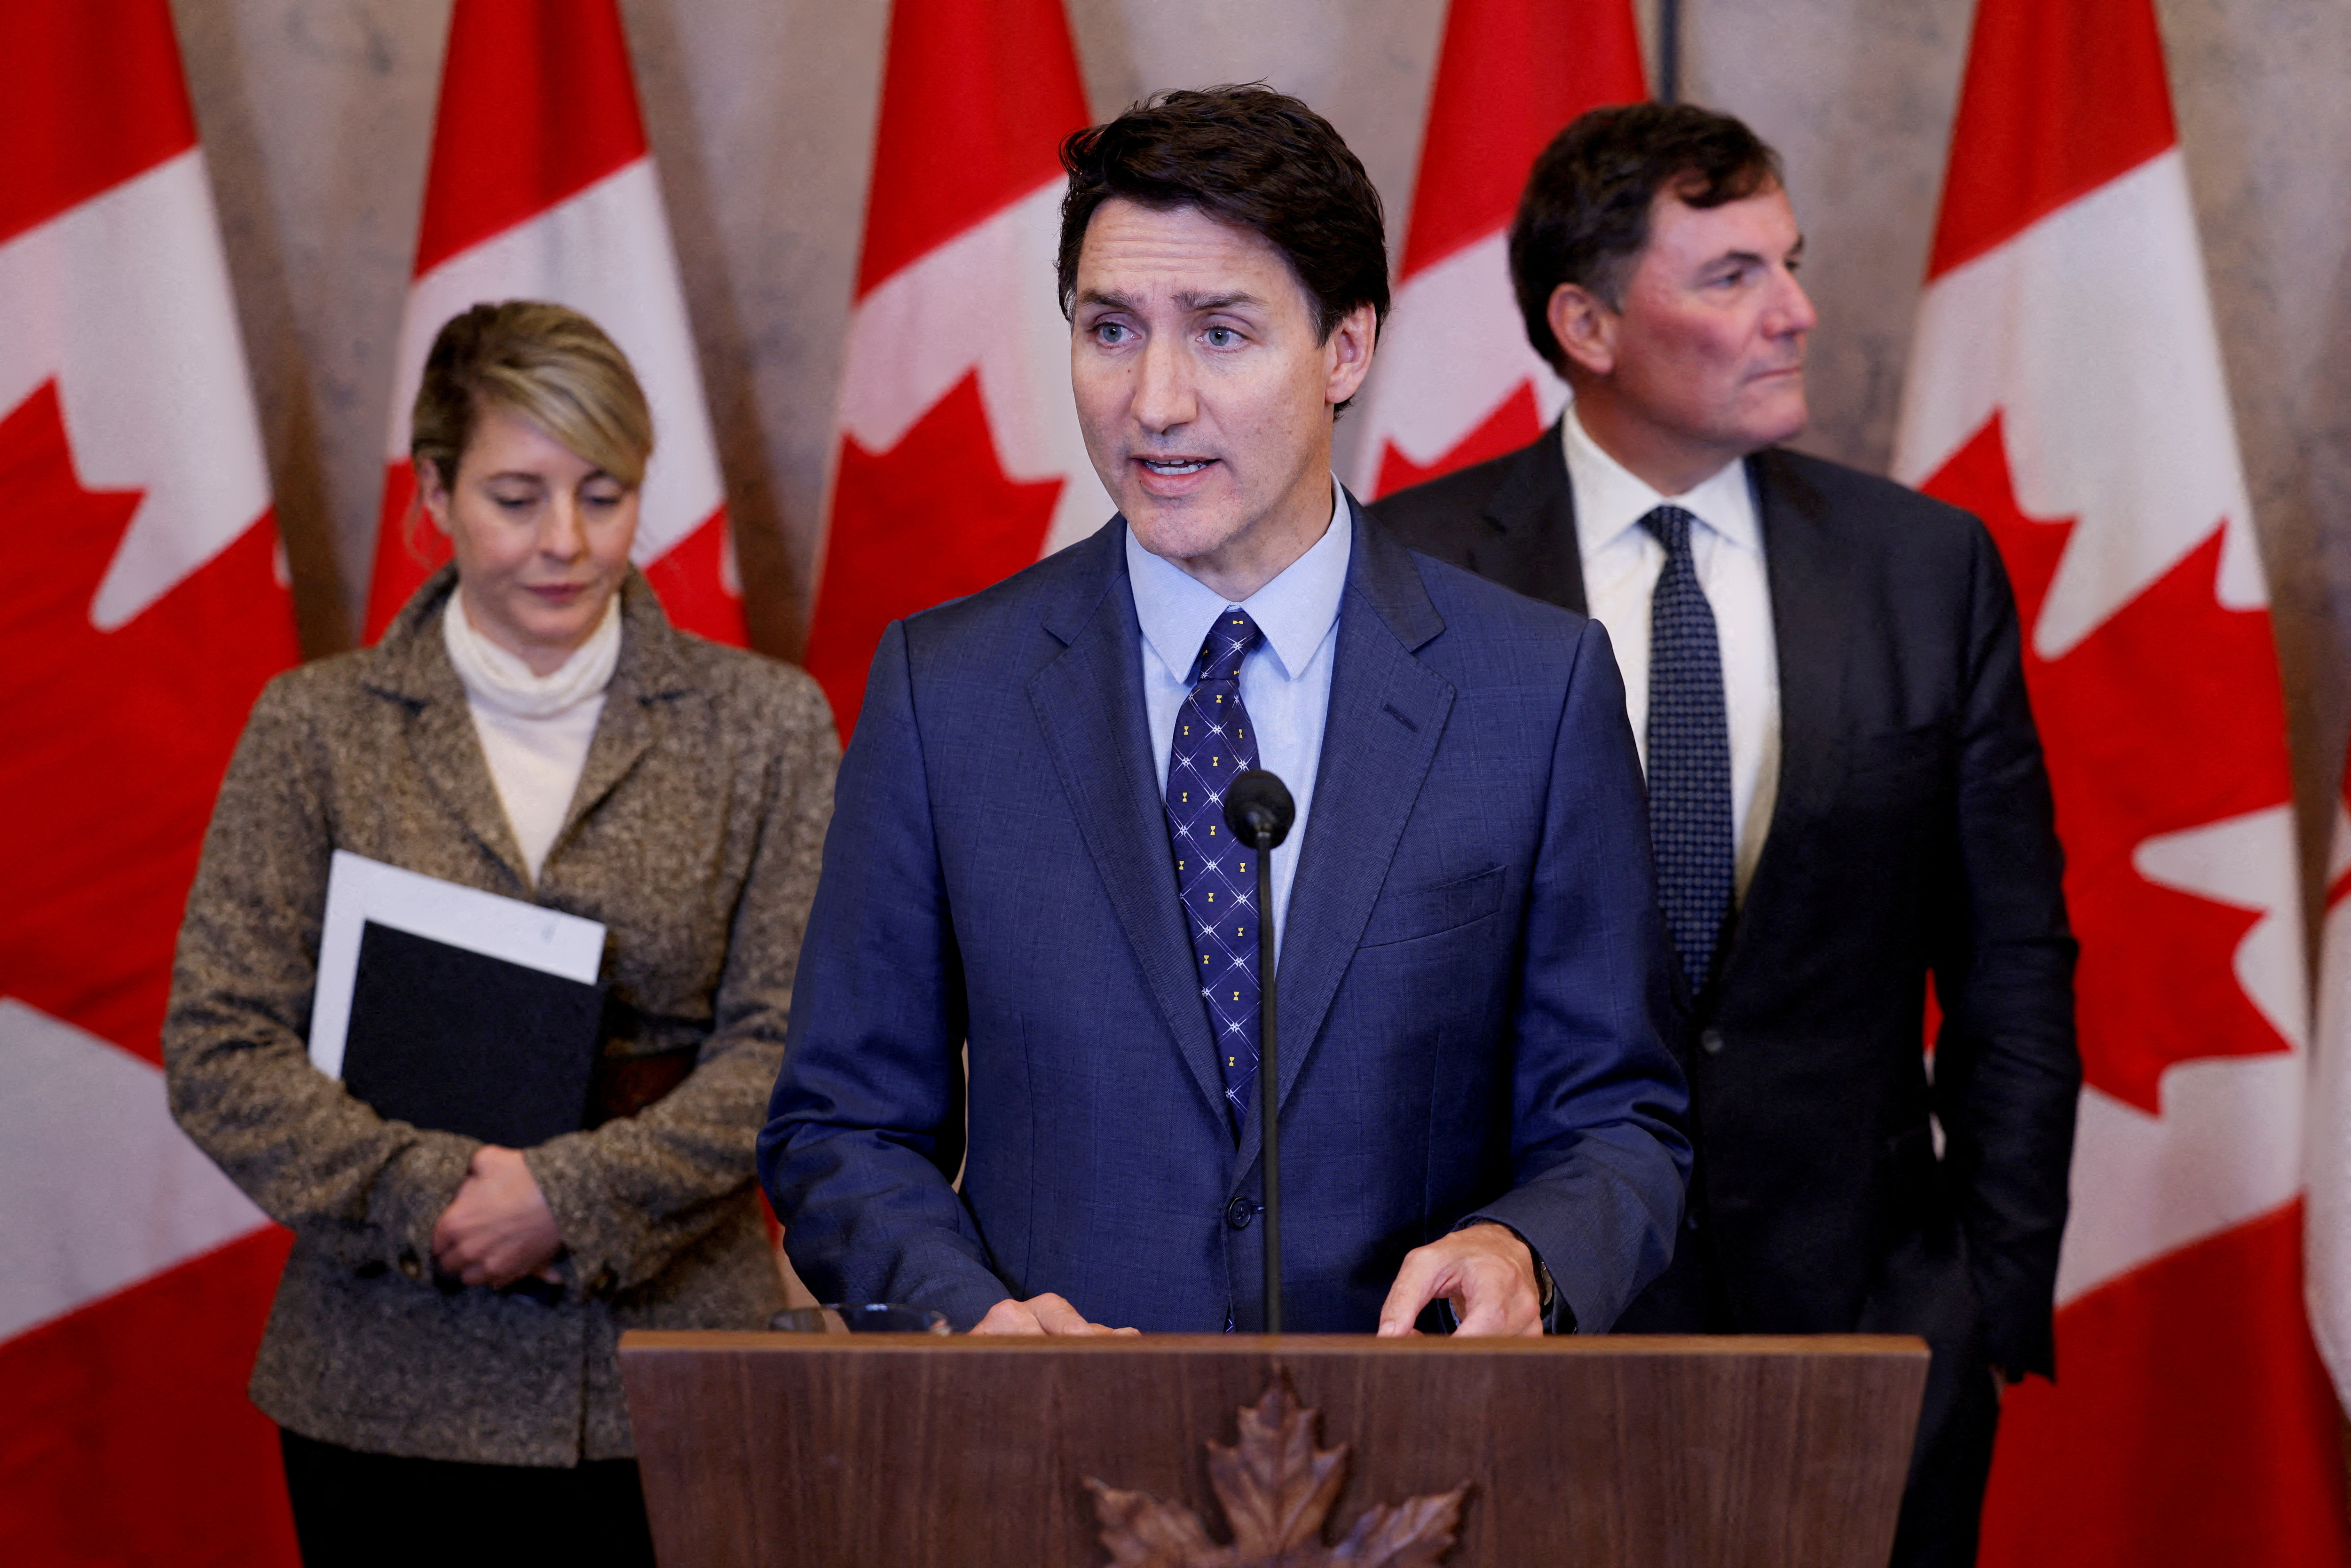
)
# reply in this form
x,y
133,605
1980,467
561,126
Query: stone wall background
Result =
x,y
317,117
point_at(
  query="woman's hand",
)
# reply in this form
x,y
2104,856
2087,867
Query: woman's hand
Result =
x,y
499,1227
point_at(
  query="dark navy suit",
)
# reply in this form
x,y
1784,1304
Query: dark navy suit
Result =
x,y
1473,988
1913,838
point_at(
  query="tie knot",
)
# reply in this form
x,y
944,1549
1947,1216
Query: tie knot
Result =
x,y
1228,643
1670,527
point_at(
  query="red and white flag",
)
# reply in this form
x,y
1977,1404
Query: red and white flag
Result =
x,y
542,188
144,606
959,460
1456,381
2328,1235
2066,386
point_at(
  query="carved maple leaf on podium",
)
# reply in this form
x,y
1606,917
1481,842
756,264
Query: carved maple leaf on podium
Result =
x,y
1277,1488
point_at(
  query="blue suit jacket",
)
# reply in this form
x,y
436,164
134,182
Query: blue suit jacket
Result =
x,y
1473,990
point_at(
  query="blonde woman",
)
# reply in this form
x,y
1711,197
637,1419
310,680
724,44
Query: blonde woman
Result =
x,y
441,1355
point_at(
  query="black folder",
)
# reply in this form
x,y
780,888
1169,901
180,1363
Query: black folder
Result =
x,y
447,1038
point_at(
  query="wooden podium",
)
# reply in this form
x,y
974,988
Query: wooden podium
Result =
x,y
833,1450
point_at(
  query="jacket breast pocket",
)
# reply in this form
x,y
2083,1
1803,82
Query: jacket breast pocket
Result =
x,y
1408,913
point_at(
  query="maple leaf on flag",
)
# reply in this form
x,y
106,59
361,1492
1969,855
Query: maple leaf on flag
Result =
x,y
1276,1486
691,578
118,739
934,518
1505,430
2167,717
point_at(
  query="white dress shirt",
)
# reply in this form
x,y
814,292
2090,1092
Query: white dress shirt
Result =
x,y
535,729
1622,561
1285,679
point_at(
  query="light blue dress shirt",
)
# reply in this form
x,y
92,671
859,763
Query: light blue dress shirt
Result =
x,y
1285,680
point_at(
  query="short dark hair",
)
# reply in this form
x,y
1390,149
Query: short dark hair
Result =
x,y
1585,216
1247,156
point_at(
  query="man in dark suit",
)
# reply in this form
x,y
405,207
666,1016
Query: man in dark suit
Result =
x,y
1477,1100
1846,790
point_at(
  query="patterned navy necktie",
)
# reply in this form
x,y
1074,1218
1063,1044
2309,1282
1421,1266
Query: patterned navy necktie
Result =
x,y
1216,875
1689,754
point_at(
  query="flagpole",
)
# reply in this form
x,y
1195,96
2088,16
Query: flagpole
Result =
x,y
1669,51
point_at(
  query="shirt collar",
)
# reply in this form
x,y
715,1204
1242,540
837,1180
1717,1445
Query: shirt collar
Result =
x,y
1296,610
1611,498
500,680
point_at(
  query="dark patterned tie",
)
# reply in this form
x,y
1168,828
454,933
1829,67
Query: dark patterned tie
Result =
x,y
1689,754
1215,874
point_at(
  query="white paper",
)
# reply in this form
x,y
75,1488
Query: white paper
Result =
x,y
359,890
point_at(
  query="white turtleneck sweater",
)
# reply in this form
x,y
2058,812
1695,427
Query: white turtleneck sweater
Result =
x,y
535,729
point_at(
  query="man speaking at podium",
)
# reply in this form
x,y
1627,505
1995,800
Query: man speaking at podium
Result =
x,y
1476,1102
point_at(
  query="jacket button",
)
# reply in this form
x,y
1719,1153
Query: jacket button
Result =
x,y
1710,1042
1238,1213
410,1267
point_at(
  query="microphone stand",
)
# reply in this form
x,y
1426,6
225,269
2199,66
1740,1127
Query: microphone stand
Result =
x,y
1259,810
1268,1080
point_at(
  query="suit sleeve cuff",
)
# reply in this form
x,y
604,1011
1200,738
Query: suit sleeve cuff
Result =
x,y
1558,1317
409,1197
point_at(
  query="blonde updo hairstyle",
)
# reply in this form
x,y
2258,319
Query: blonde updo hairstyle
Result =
x,y
545,363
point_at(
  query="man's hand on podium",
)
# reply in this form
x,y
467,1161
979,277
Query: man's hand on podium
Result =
x,y
1485,1271
1045,1314
498,1228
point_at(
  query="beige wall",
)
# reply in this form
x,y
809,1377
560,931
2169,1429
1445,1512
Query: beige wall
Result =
x,y
316,116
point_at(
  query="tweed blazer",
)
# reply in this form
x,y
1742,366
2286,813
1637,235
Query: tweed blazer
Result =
x,y
694,835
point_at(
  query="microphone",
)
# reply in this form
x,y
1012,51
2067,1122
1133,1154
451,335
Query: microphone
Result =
x,y
1259,810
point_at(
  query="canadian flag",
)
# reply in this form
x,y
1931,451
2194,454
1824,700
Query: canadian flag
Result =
x,y
542,188
1456,381
2328,1236
959,460
142,609
2067,387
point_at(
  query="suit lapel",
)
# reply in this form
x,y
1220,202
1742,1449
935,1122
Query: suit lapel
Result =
x,y
1807,577
1533,548
650,674
1387,710
626,731
448,753
1089,703
411,666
